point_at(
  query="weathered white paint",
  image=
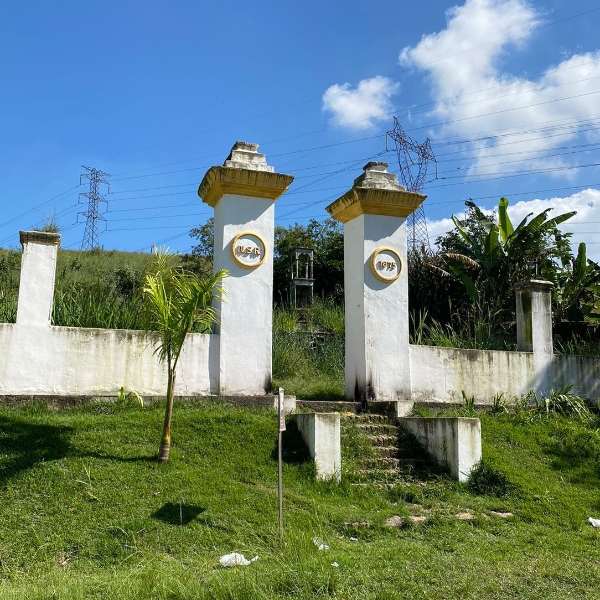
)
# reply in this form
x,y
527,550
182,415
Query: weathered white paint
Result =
x,y
442,374
321,433
374,212
289,404
246,314
77,361
582,372
376,313
36,288
392,408
534,330
452,441
39,359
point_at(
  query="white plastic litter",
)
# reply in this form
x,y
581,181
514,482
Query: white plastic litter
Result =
x,y
235,560
353,539
594,522
320,544
334,564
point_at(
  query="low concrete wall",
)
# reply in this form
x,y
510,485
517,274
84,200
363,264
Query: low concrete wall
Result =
x,y
442,374
321,432
453,441
289,404
582,372
76,361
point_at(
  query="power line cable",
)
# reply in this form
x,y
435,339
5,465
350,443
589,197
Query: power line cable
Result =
x,y
500,41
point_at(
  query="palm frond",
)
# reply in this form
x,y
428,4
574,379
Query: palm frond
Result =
x,y
175,300
463,260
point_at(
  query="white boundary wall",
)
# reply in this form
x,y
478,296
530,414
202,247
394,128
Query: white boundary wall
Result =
x,y
66,361
442,374
39,359
381,365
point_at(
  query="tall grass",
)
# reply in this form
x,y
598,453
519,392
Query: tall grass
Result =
x,y
577,347
79,306
10,262
92,290
308,350
324,315
469,332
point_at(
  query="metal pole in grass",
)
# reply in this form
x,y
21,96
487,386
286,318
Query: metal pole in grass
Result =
x,y
280,458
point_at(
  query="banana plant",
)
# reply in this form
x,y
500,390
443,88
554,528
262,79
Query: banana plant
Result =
x,y
175,302
490,257
578,295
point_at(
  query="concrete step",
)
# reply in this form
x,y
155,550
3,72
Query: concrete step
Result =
x,y
388,485
365,418
333,406
378,428
375,480
386,462
386,451
391,462
383,440
393,452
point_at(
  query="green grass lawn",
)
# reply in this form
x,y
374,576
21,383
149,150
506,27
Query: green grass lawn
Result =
x,y
85,512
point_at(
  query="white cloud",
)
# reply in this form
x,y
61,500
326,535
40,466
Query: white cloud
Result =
x,y
361,107
464,67
440,227
585,225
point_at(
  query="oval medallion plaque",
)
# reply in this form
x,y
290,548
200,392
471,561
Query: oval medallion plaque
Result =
x,y
385,264
248,249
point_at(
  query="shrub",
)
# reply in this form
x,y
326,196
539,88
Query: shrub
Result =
x,y
486,480
561,401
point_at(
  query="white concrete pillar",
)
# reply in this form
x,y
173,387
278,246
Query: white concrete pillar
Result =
x,y
374,212
38,271
452,441
242,193
534,329
321,433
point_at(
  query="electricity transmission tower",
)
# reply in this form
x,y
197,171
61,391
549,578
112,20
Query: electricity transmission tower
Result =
x,y
413,160
90,235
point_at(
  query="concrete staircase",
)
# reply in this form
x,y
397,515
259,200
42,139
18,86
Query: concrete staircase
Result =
x,y
376,452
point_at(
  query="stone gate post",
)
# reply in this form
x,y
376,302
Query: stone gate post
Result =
x,y
38,270
534,329
374,212
242,193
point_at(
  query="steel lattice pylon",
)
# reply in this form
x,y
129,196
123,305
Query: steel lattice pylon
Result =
x,y
90,235
413,160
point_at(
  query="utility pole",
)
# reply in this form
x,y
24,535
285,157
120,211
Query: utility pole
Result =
x,y
413,160
90,235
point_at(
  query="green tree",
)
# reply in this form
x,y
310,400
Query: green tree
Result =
x,y
490,255
205,234
326,238
175,302
577,293
434,295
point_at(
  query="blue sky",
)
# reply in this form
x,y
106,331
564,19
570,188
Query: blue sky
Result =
x,y
507,90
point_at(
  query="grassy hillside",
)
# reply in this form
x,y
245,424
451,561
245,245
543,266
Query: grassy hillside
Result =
x,y
93,289
85,512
